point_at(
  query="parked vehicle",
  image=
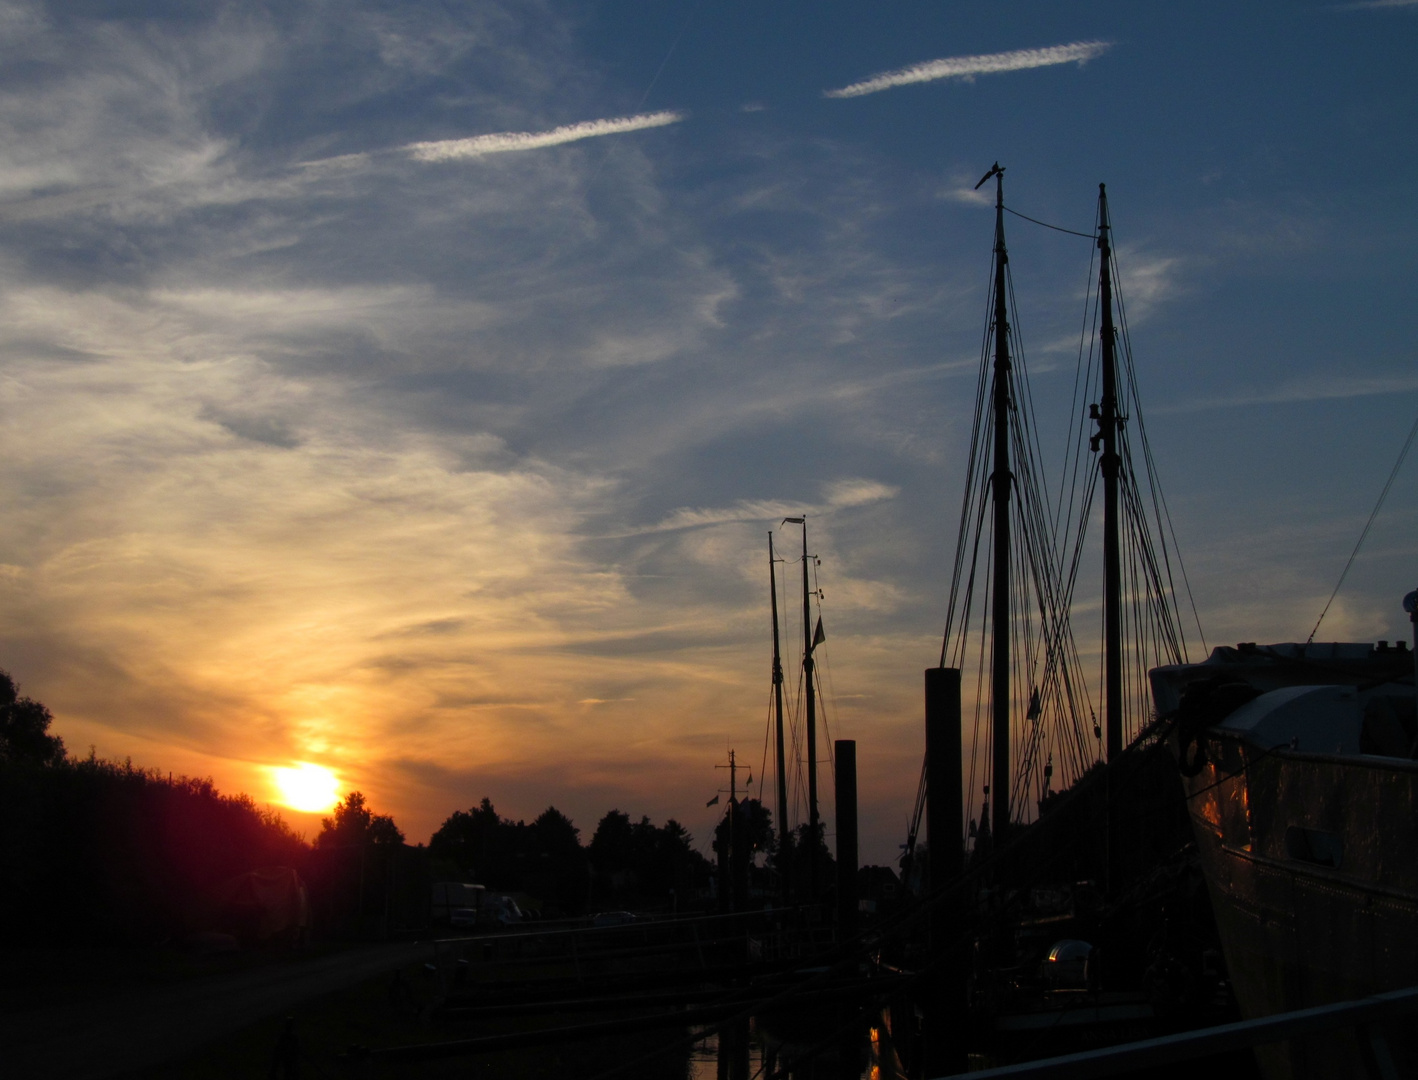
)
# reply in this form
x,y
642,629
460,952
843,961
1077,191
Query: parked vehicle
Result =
x,y
613,918
457,904
498,909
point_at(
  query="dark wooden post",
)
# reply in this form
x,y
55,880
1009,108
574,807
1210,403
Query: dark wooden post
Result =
x,y
944,1005
943,769
846,838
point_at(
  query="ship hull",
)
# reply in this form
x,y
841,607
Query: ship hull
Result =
x,y
1294,847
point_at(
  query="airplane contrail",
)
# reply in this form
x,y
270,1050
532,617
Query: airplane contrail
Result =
x,y
505,141
965,67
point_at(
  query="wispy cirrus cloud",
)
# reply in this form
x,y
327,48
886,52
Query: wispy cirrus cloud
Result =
x,y
1362,4
1297,391
839,495
967,67
506,141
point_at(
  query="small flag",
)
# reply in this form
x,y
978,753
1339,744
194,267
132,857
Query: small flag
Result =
x,y
819,635
749,781
712,801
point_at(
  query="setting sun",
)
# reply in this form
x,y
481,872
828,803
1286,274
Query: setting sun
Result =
x,y
306,787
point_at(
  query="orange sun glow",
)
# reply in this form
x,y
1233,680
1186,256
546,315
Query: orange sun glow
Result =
x,y
306,787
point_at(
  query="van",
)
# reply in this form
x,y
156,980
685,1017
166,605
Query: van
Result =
x,y
457,904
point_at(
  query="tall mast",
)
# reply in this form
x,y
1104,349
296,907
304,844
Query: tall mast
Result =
x,y
811,716
809,642
778,723
1108,422
1001,480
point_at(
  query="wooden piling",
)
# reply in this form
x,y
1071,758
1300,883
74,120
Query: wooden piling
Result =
x,y
846,754
944,1002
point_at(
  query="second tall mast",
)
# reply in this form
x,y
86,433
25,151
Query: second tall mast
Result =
x,y
1002,480
778,720
1106,414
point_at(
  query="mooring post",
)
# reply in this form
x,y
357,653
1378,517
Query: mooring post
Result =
x,y
846,750
943,769
944,1004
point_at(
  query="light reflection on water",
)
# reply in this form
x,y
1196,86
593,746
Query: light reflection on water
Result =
x,y
751,1054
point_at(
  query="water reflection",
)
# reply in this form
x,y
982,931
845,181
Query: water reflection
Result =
x,y
754,1050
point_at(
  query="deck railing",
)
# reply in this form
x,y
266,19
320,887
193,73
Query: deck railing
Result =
x,y
1362,1015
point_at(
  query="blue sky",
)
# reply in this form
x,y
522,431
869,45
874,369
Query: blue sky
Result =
x,y
340,427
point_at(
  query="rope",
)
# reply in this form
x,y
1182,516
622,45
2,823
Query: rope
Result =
x,y
670,52
1407,445
1056,228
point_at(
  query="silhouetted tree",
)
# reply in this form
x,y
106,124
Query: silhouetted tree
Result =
x,y
24,728
753,827
355,823
475,841
801,850
612,843
544,859
556,867
638,864
556,835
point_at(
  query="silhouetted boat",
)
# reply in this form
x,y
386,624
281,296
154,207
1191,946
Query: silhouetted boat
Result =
x,y
1078,904
1300,773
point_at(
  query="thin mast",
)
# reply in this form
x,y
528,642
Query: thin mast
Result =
x,y
1108,423
778,723
811,715
808,644
1002,480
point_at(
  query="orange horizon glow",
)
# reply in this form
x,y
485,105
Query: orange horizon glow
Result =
x,y
309,788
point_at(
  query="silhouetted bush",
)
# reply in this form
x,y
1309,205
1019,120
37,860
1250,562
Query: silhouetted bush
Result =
x,y
94,850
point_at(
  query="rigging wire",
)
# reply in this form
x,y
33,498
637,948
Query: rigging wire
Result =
x,y
1043,685
1159,497
1407,445
1149,600
824,670
767,738
1049,674
670,52
1056,228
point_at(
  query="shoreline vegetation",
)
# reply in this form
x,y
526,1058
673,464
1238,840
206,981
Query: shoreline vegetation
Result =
x,y
97,853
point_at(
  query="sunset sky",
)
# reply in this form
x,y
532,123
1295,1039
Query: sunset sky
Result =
x,y
409,388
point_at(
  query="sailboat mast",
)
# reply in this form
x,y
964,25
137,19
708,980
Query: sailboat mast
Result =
x,y
778,716
811,712
1108,422
1001,479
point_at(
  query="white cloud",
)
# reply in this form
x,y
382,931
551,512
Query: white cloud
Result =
x,y
966,194
1329,388
1148,281
840,495
505,141
857,492
690,517
967,67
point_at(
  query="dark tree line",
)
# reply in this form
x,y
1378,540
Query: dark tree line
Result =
x,y
96,850
753,861
543,859
626,864
641,865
